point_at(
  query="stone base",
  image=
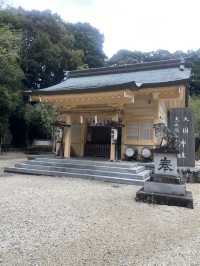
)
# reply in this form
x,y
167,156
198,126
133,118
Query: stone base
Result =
x,y
166,179
165,188
165,199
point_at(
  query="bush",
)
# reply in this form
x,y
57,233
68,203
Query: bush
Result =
x,y
40,119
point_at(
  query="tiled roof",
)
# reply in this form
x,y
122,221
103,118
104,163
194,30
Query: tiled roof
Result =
x,y
135,76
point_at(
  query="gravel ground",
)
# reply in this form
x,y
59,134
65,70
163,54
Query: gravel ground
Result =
x,y
65,221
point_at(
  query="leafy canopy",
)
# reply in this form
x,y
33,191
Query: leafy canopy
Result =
x,y
11,74
40,119
8,103
11,77
50,47
194,104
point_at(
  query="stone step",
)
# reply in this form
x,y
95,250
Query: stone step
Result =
x,y
120,164
135,169
79,175
84,169
38,156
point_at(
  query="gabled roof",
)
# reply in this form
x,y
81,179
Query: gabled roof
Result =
x,y
135,76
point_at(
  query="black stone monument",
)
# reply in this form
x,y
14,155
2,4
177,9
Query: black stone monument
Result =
x,y
181,122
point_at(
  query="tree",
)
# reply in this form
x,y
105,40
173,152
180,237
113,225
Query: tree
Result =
x,y
132,57
50,47
194,104
194,60
90,41
8,103
36,50
11,76
40,119
46,51
126,57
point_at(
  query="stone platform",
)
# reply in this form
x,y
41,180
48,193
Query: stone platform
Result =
x,y
116,172
165,199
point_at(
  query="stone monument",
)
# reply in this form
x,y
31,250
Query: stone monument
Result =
x,y
165,186
181,122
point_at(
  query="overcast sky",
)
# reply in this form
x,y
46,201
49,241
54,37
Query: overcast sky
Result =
x,y
143,25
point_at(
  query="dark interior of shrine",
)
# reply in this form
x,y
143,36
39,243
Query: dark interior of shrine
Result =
x,y
98,140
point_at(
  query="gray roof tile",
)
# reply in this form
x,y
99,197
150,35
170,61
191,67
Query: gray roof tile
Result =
x,y
135,78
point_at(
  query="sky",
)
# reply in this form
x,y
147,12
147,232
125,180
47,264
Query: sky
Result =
x,y
142,25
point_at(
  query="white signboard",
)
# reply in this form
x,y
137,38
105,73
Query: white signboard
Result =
x,y
114,135
165,163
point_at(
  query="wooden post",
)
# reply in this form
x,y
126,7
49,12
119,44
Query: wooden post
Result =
x,y
54,140
67,137
112,152
83,136
112,144
67,141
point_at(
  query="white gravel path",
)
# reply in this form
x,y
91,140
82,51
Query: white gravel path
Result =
x,y
65,221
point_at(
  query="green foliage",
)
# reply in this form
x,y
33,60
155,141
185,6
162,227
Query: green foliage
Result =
x,y
131,57
11,74
46,51
8,103
40,119
90,41
36,50
50,47
194,104
194,60
126,57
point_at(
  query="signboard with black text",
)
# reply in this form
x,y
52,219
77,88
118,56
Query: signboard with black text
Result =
x,y
181,122
165,163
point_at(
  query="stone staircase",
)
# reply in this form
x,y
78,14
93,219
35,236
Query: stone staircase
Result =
x,y
116,172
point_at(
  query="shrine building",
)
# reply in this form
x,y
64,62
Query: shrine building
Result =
x,y
111,110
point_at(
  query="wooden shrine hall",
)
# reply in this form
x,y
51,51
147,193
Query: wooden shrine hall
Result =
x,y
111,110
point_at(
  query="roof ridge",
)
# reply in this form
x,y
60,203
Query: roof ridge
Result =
x,y
125,68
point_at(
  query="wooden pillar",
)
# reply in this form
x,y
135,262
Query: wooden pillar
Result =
x,y
123,138
83,136
112,144
112,152
67,137
67,141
